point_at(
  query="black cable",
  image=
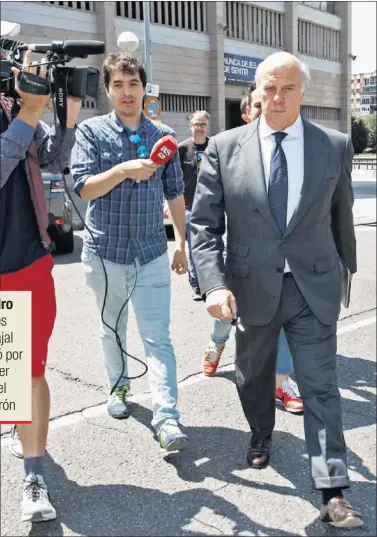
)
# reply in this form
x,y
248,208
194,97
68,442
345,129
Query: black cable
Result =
x,y
115,331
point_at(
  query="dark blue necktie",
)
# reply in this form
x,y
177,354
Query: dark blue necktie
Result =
x,y
278,183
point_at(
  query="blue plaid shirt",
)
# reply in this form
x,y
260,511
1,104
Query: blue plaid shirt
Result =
x,y
128,221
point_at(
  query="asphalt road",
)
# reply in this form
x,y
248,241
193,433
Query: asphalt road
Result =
x,y
109,477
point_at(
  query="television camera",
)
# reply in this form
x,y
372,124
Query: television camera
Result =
x,y
60,81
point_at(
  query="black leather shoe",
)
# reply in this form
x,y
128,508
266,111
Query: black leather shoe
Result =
x,y
258,454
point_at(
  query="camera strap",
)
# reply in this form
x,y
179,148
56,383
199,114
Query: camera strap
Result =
x,y
60,77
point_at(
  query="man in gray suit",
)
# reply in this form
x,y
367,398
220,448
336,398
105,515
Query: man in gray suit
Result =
x,y
284,185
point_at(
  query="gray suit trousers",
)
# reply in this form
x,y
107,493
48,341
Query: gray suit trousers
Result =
x,y
313,348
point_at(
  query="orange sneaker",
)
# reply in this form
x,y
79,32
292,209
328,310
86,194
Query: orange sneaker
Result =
x,y
289,396
211,358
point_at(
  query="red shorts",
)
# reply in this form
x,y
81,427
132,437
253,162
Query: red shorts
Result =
x,y
38,279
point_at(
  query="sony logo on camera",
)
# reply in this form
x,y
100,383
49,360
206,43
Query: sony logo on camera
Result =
x,y
60,97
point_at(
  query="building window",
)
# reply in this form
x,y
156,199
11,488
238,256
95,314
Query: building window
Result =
x,y
185,15
88,104
183,103
85,6
130,10
319,41
254,24
329,7
320,113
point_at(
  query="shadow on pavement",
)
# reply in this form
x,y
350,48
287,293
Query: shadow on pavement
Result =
x,y
358,376
112,510
127,510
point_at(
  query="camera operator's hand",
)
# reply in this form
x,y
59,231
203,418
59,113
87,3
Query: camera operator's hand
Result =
x,y
29,100
139,169
33,105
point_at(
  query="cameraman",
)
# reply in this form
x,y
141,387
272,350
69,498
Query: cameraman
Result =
x,y
27,145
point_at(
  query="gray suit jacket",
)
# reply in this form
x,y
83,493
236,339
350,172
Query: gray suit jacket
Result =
x,y
231,182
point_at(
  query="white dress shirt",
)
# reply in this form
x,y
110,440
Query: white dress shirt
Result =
x,y
293,146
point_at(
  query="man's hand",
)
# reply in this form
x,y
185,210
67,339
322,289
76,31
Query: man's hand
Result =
x,y
221,304
139,170
179,264
34,103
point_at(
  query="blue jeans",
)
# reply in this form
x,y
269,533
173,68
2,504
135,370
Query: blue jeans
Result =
x,y
193,278
151,302
221,333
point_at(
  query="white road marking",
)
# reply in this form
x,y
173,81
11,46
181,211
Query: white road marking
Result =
x,y
356,326
201,461
99,410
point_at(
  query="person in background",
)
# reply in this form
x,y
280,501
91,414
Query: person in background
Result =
x,y
245,106
190,154
287,393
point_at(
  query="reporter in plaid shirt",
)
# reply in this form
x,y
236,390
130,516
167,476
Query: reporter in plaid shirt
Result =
x,y
125,190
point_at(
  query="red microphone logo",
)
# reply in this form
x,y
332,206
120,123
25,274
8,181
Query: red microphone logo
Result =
x,y
164,152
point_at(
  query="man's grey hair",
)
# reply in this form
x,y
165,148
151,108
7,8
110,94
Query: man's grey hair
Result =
x,y
280,59
199,113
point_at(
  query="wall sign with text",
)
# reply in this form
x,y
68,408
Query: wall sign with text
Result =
x,y
239,69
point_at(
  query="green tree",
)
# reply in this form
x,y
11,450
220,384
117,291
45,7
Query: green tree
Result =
x,y
370,123
359,134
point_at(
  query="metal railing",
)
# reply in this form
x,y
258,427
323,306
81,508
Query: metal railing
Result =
x,y
319,41
85,6
364,163
254,24
185,15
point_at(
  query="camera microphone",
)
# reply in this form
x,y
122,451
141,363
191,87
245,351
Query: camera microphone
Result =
x,y
74,49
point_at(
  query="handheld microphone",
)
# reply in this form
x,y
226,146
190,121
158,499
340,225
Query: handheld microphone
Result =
x,y
75,49
164,150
